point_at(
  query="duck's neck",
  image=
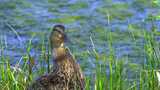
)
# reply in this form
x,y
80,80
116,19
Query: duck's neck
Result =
x,y
59,52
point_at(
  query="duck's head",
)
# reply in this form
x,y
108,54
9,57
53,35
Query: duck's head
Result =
x,y
58,36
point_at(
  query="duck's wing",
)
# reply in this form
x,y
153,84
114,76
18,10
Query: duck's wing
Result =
x,y
80,77
79,74
40,84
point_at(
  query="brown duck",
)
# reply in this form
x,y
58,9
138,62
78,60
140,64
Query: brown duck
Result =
x,y
66,73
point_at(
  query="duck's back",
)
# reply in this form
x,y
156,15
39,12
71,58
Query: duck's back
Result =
x,y
51,81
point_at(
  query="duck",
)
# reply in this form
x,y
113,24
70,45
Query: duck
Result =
x,y
66,73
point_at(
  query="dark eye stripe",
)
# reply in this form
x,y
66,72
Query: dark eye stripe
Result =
x,y
60,31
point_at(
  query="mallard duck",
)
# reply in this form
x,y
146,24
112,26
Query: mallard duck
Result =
x,y
66,74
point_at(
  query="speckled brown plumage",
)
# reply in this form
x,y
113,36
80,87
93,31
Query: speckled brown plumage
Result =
x,y
66,73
